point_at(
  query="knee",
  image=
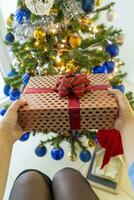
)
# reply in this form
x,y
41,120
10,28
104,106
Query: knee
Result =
x,y
28,178
66,172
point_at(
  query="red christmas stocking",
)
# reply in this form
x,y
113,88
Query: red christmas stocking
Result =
x,y
110,139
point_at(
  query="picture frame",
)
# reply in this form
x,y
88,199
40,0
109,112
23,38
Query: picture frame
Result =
x,y
105,180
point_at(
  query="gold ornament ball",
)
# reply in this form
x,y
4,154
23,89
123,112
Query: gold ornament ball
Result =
x,y
59,62
75,41
72,157
39,34
85,21
120,39
91,143
98,2
70,66
54,11
32,72
9,21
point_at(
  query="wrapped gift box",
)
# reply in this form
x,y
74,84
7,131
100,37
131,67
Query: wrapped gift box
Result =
x,y
47,111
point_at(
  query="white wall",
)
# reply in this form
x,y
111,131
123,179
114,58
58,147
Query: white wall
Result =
x,y
125,20
7,7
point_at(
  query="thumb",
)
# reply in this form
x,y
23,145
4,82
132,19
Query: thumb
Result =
x,y
122,101
16,105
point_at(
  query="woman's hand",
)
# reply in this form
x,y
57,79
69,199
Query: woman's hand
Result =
x,y
126,114
10,130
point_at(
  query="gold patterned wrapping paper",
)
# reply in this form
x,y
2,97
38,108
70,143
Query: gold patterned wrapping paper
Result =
x,y
49,112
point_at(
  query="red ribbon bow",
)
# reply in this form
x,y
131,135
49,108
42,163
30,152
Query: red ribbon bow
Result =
x,y
72,83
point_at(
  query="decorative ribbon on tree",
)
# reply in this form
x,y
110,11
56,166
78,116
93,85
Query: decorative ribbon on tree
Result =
x,y
39,7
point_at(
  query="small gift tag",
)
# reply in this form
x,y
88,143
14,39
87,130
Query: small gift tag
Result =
x,y
39,7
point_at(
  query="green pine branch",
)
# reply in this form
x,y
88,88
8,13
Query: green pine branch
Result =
x,y
90,58
107,7
21,4
118,78
15,81
130,97
81,146
54,141
90,134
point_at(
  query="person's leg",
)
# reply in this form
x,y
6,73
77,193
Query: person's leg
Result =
x,y
31,185
69,184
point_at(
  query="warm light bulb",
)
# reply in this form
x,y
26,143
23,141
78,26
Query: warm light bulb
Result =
x,y
58,57
27,48
120,62
116,69
62,45
95,30
53,31
63,40
100,48
63,68
45,49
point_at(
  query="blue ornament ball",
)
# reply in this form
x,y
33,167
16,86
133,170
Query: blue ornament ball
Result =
x,y
9,37
40,151
100,69
14,94
3,111
25,78
88,5
6,89
25,137
85,156
109,66
112,49
21,15
120,87
12,73
57,154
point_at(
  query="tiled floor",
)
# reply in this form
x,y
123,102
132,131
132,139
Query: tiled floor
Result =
x,y
23,157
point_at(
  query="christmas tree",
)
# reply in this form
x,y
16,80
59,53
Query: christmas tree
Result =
x,y
55,37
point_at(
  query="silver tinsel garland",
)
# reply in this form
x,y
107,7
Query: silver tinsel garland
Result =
x,y
23,32
72,8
